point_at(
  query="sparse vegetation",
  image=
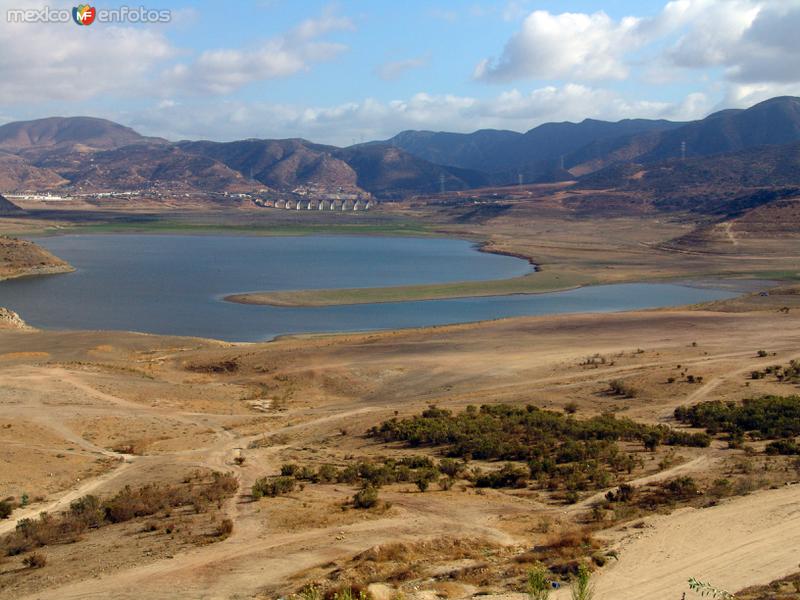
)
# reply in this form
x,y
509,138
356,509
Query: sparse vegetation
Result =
x,y
6,508
706,589
90,512
35,560
768,417
618,387
582,587
366,497
538,587
272,486
560,451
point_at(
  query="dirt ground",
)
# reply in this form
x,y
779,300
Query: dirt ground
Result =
x,y
85,412
91,412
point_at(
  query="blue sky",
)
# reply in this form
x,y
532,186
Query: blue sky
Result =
x,y
339,72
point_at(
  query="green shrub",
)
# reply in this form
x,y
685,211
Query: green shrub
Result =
x,y
538,587
768,417
366,497
272,486
554,445
582,587
785,447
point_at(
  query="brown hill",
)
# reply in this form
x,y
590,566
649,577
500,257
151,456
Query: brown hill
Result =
x,y
16,174
68,131
772,122
149,167
282,164
721,184
380,169
389,172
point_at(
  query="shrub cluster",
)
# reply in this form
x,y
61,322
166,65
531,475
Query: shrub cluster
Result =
x,y
272,486
505,432
768,417
420,470
680,489
6,508
90,512
789,373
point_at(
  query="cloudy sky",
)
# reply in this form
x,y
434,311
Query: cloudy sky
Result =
x,y
345,71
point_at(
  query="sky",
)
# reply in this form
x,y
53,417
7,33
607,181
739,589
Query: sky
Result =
x,y
343,72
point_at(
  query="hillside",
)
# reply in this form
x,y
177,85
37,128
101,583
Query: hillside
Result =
x,y
492,150
772,122
17,174
282,164
376,168
60,131
726,183
391,172
7,207
145,166
81,154
19,258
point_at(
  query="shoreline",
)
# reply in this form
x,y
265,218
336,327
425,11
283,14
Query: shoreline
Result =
x,y
39,272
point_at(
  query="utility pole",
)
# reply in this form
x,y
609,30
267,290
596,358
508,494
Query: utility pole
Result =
x,y
683,150
519,179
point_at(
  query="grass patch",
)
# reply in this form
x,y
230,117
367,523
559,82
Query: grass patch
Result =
x,y
532,283
405,228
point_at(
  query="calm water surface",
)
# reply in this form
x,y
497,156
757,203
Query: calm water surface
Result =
x,y
173,284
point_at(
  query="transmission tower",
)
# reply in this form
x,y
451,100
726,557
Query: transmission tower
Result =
x,y
441,183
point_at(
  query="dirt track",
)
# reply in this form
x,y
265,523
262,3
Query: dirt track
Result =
x,y
90,386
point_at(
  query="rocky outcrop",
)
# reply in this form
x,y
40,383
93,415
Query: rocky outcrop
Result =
x,y
11,320
21,258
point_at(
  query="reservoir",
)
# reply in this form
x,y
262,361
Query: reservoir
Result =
x,y
174,284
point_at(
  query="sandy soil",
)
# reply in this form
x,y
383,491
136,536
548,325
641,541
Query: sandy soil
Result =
x,y
90,412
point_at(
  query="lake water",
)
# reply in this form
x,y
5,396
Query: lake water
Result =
x,y
174,284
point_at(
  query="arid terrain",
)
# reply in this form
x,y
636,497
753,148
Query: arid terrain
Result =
x,y
91,413
190,468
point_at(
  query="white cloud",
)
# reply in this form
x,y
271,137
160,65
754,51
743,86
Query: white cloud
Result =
x,y
369,118
752,41
394,69
61,61
568,45
223,71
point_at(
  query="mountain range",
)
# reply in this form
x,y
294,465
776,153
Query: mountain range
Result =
x,y
90,155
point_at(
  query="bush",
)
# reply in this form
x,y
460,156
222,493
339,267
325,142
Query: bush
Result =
x,y
785,447
326,474
6,508
366,497
768,417
272,486
556,447
35,560
582,587
90,511
225,528
538,587
510,475
622,388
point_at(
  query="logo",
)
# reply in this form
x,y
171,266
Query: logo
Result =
x,y
83,14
